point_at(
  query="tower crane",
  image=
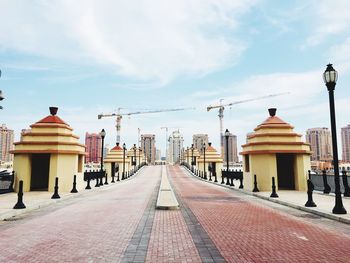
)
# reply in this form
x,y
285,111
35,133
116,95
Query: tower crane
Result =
x,y
120,115
221,108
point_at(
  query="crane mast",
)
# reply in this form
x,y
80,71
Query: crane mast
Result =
x,y
221,108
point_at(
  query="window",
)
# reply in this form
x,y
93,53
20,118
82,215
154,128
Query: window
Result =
x,y
246,162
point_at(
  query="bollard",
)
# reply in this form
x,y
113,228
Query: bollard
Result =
x,y
205,175
216,178
88,187
20,204
256,189
12,181
123,173
118,177
222,177
106,179
231,179
327,188
273,194
310,188
55,194
74,189
210,176
113,175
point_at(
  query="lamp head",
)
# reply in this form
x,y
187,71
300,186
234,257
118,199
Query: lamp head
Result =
x,y
330,77
103,133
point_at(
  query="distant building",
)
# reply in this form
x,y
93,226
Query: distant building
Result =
x,y
158,154
345,140
198,140
175,147
321,144
93,143
148,143
6,144
232,149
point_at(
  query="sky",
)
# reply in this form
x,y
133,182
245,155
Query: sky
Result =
x,y
95,56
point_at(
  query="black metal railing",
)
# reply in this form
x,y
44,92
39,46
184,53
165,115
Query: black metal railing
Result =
x,y
6,182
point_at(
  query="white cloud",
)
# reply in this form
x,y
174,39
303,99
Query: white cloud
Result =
x,y
151,40
327,19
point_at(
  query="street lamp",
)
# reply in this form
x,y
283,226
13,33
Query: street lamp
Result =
x,y
1,96
124,150
188,155
330,77
134,157
192,160
139,157
227,135
103,135
205,173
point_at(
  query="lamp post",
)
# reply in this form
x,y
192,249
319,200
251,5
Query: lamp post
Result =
x,y
205,174
139,157
330,77
188,155
192,160
227,135
103,135
124,150
134,148
1,96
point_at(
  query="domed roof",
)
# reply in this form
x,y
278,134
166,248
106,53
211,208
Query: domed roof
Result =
x,y
274,136
116,154
211,155
49,135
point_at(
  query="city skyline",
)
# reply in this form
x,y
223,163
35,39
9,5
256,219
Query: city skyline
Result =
x,y
86,70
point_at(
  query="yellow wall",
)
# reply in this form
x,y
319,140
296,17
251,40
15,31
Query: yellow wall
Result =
x,y
22,168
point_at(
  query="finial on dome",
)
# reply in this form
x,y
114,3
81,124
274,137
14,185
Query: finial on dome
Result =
x,y
53,110
209,143
272,111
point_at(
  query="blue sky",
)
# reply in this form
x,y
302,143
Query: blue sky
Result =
x,y
88,57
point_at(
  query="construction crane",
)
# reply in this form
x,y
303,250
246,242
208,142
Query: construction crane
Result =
x,y
166,138
221,108
119,116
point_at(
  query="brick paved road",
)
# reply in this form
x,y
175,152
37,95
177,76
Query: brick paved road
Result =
x,y
247,231
91,228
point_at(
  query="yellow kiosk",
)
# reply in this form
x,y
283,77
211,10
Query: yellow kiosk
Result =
x,y
46,151
116,162
275,150
210,160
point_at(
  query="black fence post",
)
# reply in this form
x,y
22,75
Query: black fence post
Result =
x,y
222,177
241,181
118,177
210,175
55,194
346,185
106,178
255,189
113,175
227,178
231,184
20,204
74,189
273,194
215,176
88,187
97,179
327,188
310,187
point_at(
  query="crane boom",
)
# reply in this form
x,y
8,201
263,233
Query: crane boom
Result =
x,y
119,116
221,108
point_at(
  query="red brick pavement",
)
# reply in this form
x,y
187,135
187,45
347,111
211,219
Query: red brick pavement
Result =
x,y
244,231
170,239
93,228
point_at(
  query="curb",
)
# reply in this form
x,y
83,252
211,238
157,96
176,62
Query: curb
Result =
x,y
274,200
163,191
